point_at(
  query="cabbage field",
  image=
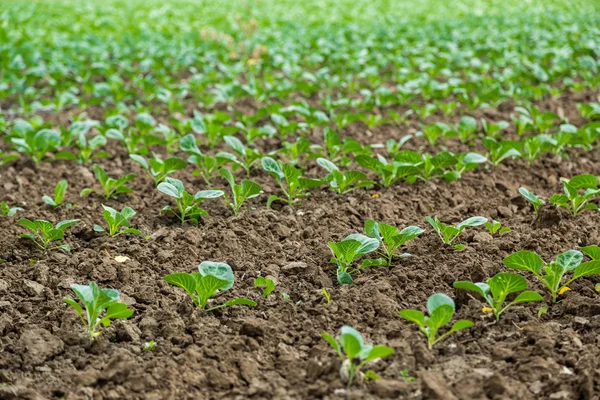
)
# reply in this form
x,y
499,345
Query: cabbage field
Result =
x,y
326,199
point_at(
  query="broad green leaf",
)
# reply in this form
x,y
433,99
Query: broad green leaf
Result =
x,y
378,352
437,300
116,311
525,260
440,316
528,297
413,316
460,325
586,269
183,280
505,283
570,259
473,221
334,343
168,189
592,251
218,269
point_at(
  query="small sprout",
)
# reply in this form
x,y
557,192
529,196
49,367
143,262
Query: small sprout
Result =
x,y
390,238
542,310
441,309
597,287
149,346
239,192
268,284
495,227
327,296
343,182
449,233
551,274
405,374
347,250
187,205
573,201
290,180
7,211
59,194
45,233
97,300
157,168
212,278
110,187
118,222
498,288
532,198
351,347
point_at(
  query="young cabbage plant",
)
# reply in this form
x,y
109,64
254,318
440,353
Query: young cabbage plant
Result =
x,y
388,172
239,192
7,211
187,205
500,151
440,308
96,301
266,283
290,180
110,187
574,201
118,222
390,238
37,144
211,279
44,233
495,227
355,353
157,168
245,157
498,288
343,182
347,250
59,194
449,233
207,165
86,148
535,201
551,274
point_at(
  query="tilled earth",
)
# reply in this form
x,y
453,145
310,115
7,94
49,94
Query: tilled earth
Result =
x,y
274,350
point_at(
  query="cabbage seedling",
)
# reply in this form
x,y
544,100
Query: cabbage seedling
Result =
x,y
7,211
355,353
37,144
449,233
212,278
118,222
187,205
207,165
111,187
343,182
157,168
440,308
59,194
498,288
289,179
347,250
45,233
552,274
532,198
95,301
390,238
245,157
239,192
495,227
572,200
266,283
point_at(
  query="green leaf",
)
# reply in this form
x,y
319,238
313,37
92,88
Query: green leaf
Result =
x,y
437,300
480,288
183,280
344,278
207,286
460,325
440,316
272,167
169,189
473,221
525,260
592,251
75,305
505,283
334,343
62,225
378,352
351,341
570,259
528,297
586,269
219,270
239,302
116,311
413,316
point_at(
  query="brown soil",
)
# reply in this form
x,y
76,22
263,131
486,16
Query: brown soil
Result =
x,y
275,350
